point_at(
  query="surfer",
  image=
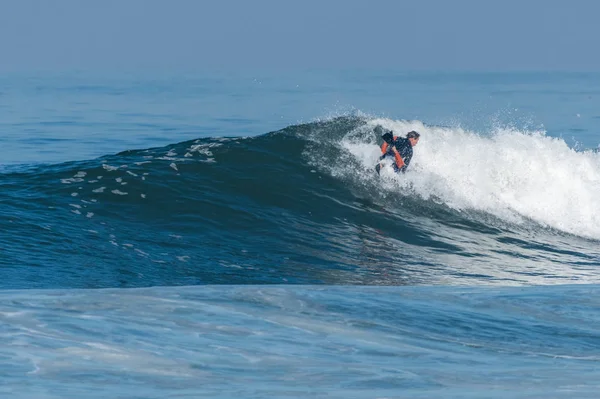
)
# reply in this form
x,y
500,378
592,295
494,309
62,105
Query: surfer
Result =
x,y
400,149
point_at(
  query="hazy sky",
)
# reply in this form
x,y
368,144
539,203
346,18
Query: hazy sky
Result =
x,y
284,34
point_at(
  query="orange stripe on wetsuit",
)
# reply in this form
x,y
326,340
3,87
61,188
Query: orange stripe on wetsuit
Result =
x,y
399,160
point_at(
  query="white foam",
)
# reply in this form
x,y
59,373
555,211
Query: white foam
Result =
x,y
142,253
109,168
510,174
203,149
71,180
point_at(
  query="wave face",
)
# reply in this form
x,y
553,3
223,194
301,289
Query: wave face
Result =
x,y
304,206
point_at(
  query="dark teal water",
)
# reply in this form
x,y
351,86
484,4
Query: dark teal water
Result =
x,y
292,206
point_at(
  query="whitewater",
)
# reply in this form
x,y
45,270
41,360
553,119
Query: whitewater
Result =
x,y
514,175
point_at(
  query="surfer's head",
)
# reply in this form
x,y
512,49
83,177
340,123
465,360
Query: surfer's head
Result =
x,y
413,137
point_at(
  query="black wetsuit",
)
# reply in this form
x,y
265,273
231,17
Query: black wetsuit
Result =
x,y
404,149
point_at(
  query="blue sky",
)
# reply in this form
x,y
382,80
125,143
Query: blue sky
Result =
x,y
281,34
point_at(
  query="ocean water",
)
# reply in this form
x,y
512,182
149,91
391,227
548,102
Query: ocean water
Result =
x,y
225,234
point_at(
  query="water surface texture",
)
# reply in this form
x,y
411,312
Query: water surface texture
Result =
x,y
220,235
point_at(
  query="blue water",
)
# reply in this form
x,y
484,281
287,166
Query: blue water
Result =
x,y
225,234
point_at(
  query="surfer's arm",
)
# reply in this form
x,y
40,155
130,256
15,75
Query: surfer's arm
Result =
x,y
398,158
386,143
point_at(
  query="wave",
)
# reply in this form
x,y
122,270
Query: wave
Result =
x,y
304,205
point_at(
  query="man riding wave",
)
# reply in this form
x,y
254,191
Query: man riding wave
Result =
x,y
400,149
